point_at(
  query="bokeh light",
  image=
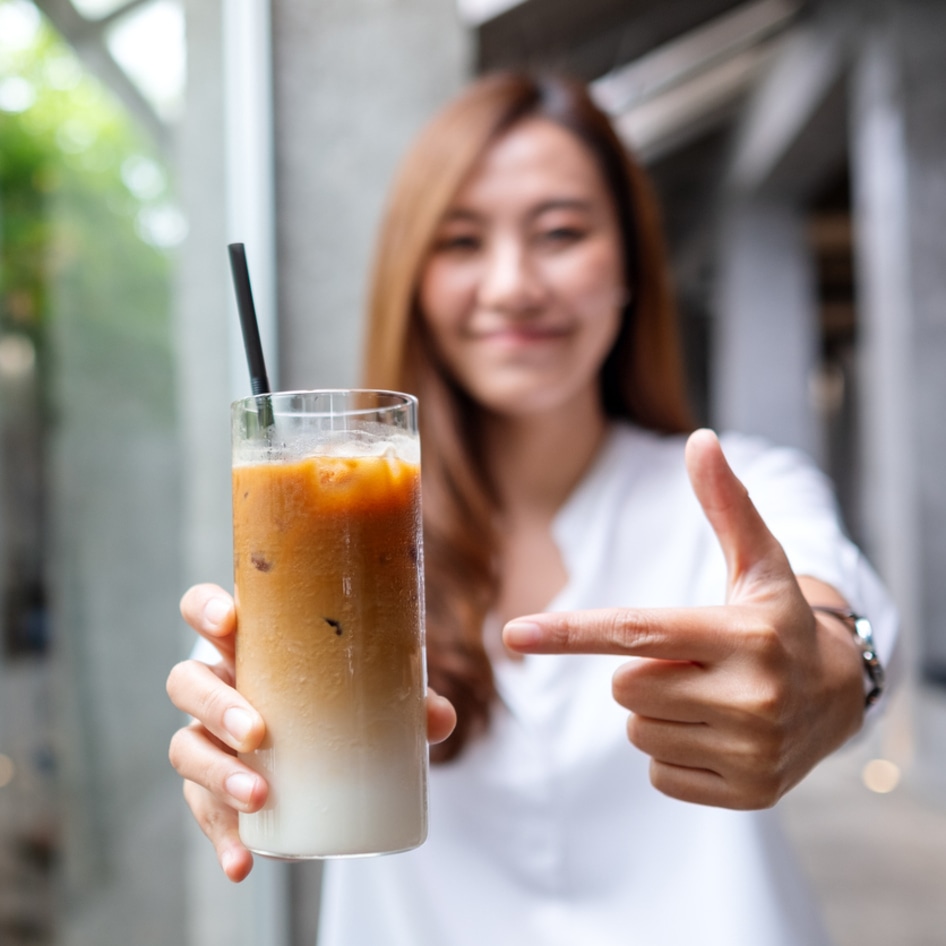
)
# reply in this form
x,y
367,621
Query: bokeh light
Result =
x,y
881,776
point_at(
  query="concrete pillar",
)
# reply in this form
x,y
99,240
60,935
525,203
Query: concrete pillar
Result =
x,y
920,31
900,200
351,82
885,316
765,345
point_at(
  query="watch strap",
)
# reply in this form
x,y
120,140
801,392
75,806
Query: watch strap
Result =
x,y
864,636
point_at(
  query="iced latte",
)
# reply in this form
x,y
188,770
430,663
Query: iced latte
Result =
x,y
328,575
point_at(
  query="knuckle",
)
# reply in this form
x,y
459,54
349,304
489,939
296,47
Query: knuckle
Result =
x,y
622,689
765,642
637,734
199,801
211,703
204,786
570,633
765,702
191,601
176,750
196,797
213,819
763,793
761,729
176,678
757,768
616,627
626,627
765,691
758,760
667,780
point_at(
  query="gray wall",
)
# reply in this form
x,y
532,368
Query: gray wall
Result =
x,y
353,82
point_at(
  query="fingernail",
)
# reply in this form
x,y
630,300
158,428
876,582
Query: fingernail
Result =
x,y
240,786
238,723
522,633
228,861
216,611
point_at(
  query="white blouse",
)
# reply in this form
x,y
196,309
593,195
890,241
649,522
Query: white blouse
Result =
x,y
547,831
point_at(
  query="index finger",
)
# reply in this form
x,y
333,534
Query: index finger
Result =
x,y
693,634
210,611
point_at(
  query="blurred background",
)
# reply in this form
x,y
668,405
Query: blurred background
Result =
x,y
799,150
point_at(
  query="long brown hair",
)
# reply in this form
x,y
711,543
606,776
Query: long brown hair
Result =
x,y
642,379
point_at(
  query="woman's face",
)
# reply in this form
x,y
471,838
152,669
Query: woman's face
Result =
x,y
523,290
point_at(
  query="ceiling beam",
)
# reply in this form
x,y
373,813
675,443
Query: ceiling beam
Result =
x,y
589,38
794,127
678,91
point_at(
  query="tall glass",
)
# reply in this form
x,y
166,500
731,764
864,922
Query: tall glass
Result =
x,y
328,568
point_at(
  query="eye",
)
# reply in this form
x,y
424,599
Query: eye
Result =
x,y
562,236
457,243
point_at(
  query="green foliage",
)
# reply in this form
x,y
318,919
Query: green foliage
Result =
x,y
81,190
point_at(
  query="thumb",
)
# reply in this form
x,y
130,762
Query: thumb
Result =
x,y
750,549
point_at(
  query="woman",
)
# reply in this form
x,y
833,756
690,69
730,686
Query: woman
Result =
x,y
612,789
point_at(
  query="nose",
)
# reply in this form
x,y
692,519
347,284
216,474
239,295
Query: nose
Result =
x,y
511,280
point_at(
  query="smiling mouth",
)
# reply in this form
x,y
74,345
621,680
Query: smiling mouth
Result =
x,y
523,334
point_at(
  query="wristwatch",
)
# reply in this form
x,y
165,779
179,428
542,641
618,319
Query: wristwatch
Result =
x,y
864,636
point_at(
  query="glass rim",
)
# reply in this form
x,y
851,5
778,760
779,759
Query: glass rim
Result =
x,y
398,400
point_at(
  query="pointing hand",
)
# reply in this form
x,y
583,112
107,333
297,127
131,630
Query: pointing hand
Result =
x,y
735,703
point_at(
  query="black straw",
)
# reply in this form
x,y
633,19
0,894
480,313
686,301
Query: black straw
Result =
x,y
259,382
